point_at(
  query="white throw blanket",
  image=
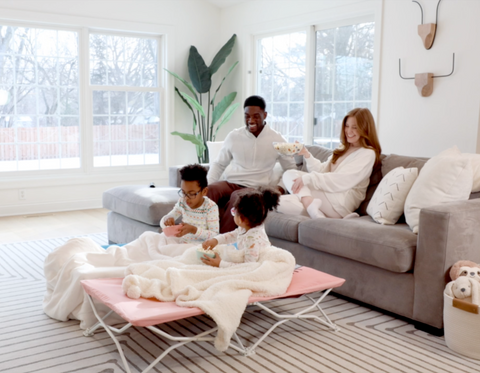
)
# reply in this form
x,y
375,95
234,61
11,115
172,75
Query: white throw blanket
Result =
x,y
222,293
81,258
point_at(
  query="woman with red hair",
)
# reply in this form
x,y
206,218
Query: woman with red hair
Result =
x,y
336,187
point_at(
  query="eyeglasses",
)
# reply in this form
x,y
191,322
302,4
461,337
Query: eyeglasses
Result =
x,y
181,193
233,211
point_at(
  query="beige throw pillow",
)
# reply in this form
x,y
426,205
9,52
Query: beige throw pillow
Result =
x,y
386,205
443,179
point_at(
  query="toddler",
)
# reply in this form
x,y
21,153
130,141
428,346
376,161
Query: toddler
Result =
x,y
200,220
250,211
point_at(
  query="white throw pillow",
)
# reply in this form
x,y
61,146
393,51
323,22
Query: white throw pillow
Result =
x,y
475,162
214,148
442,179
386,205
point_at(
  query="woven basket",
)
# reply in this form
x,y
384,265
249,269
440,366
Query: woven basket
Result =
x,y
461,321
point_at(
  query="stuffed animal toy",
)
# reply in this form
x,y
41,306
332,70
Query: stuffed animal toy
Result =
x,y
465,268
464,288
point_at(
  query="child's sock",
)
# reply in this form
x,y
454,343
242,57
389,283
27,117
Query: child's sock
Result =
x,y
314,209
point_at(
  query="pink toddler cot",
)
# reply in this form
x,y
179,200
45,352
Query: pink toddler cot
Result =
x,y
150,312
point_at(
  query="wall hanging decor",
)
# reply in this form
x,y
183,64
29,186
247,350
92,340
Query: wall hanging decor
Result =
x,y
424,81
427,31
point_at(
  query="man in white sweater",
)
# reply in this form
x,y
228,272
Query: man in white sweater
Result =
x,y
249,152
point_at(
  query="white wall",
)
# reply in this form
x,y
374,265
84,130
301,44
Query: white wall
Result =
x,y
408,123
415,125
184,23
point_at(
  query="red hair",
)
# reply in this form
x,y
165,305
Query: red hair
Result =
x,y
366,130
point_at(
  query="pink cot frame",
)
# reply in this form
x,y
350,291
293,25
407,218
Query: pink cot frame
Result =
x,y
150,312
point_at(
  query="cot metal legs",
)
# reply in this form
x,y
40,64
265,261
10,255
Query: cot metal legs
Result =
x,y
283,318
237,345
110,329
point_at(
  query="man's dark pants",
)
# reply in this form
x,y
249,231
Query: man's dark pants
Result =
x,y
225,194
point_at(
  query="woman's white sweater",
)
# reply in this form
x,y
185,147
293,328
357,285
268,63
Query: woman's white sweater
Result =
x,y
345,187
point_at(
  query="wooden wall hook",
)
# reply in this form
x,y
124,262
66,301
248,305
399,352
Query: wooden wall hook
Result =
x,y
427,34
424,83
427,31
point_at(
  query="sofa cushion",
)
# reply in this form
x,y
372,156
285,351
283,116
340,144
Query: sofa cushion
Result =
x,y
141,203
393,161
283,226
390,247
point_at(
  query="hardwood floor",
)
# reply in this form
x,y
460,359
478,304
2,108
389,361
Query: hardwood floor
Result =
x,y
50,225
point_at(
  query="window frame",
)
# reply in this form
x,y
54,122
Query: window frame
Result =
x,y
87,173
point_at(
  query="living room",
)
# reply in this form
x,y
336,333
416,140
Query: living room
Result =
x,y
408,124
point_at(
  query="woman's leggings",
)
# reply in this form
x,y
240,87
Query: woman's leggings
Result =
x,y
291,203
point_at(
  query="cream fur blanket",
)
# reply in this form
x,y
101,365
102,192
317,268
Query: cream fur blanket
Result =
x,y
81,259
222,293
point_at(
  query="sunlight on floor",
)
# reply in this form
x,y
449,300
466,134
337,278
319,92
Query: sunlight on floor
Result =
x,y
50,225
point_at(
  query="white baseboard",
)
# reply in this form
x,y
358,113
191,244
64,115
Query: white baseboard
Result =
x,y
43,208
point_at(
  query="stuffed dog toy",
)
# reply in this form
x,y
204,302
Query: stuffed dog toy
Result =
x,y
464,287
465,268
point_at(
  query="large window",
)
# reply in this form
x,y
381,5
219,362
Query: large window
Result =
x,y
341,69
42,115
125,121
39,99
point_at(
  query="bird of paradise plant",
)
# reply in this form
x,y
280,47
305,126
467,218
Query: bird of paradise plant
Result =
x,y
208,115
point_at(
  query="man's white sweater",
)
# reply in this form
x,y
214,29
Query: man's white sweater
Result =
x,y
251,159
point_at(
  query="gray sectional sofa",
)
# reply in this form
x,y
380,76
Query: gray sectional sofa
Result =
x,y
386,266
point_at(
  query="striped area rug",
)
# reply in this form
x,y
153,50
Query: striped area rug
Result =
x,y
368,341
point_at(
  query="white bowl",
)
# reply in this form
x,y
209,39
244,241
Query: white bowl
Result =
x,y
287,148
201,252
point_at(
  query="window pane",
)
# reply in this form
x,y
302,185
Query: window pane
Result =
x,y
343,77
34,63
281,82
120,61
128,121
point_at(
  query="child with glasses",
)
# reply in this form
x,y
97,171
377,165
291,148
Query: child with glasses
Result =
x,y
249,212
199,214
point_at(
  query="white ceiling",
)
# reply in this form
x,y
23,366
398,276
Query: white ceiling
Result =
x,y
226,3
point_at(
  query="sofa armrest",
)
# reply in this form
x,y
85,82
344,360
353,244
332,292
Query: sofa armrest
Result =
x,y
174,175
447,233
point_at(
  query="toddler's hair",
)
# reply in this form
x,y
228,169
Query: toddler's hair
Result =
x,y
195,172
254,205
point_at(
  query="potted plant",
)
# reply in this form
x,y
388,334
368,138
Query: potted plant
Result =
x,y
209,114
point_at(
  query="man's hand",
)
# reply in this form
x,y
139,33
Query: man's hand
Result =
x,y
210,244
214,262
168,222
297,185
186,229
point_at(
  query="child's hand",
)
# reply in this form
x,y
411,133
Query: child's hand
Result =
x,y
214,262
186,229
168,222
210,244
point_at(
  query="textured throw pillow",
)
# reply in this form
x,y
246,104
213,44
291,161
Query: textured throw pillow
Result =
x,y
443,179
214,148
386,205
